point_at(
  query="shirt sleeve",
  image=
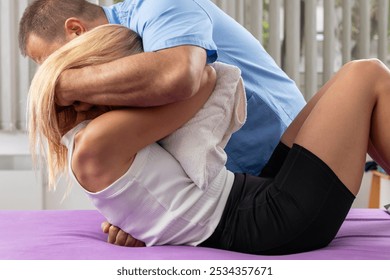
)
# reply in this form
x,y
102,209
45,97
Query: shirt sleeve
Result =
x,y
171,23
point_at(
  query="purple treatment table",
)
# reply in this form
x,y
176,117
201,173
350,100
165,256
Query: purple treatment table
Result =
x,y
76,235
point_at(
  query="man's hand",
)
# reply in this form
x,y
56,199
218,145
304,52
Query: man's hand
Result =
x,y
119,237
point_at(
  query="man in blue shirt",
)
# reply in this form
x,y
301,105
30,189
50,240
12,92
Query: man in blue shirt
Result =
x,y
179,38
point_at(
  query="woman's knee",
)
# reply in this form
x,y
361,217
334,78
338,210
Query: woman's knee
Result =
x,y
371,74
372,66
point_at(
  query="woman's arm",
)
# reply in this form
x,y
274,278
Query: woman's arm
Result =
x,y
105,149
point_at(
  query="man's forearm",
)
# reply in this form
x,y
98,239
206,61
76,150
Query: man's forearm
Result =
x,y
146,79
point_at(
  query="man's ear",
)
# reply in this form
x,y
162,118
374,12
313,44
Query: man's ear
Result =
x,y
74,27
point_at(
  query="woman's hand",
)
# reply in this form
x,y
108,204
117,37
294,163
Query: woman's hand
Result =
x,y
119,237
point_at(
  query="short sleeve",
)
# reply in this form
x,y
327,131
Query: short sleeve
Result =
x,y
171,23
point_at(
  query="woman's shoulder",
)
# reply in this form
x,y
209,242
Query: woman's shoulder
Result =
x,y
68,137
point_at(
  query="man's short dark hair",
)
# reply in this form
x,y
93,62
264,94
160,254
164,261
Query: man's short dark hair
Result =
x,y
46,18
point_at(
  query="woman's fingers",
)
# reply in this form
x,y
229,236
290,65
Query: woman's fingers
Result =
x,y
132,242
119,237
112,233
105,226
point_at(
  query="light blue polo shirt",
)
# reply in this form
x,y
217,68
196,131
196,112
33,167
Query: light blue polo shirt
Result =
x,y
273,98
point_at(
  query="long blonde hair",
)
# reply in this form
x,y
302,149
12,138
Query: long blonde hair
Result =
x,y
48,122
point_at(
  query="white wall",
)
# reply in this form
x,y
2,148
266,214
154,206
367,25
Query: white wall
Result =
x,y
23,188
20,186
66,197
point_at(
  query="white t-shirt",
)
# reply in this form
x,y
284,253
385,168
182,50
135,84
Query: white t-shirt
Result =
x,y
156,202
175,193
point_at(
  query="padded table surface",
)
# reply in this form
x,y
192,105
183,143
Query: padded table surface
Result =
x,y
76,235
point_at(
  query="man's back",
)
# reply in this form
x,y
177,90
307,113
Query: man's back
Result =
x,y
273,98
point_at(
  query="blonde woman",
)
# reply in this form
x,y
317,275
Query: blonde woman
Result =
x,y
297,204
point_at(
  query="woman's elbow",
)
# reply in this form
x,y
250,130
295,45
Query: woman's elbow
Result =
x,y
86,163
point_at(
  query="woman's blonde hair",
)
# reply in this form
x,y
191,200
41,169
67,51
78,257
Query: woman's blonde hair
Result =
x,y
48,122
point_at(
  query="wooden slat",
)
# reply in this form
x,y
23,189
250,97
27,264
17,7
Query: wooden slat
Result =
x,y
26,69
8,66
311,83
383,21
255,8
347,30
364,29
275,26
329,39
292,15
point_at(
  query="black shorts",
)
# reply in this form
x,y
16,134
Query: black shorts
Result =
x,y
297,204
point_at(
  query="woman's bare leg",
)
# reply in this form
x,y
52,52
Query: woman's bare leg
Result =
x,y
291,132
350,112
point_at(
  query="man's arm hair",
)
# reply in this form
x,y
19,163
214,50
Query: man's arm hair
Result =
x,y
141,80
